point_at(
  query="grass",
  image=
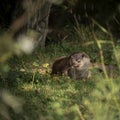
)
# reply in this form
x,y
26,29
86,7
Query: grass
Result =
x,y
42,97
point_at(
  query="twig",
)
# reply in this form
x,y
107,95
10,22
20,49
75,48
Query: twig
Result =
x,y
101,56
33,78
79,112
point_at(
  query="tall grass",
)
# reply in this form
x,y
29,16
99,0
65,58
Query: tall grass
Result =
x,y
104,102
61,98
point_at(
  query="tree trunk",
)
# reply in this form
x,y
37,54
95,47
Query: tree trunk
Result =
x,y
35,18
39,23
42,25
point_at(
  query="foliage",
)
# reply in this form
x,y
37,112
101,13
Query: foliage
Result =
x,y
40,96
105,102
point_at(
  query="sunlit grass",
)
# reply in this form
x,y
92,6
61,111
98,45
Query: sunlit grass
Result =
x,y
59,97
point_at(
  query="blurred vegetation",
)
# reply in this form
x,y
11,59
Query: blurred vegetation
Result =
x,y
27,91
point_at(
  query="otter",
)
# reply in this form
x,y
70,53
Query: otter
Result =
x,y
78,66
61,65
80,69
75,65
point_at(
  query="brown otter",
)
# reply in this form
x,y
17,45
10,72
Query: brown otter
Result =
x,y
61,65
73,65
77,66
80,69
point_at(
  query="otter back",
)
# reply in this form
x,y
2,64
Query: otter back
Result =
x,y
60,66
75,65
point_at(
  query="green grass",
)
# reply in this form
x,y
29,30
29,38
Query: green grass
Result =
x,y
42,97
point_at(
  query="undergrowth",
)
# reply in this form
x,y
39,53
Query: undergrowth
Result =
x,y
35,95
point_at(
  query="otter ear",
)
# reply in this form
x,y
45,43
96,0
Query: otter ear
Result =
x,y
83,55
71,57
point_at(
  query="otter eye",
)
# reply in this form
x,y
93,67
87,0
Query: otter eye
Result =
x,y
83,55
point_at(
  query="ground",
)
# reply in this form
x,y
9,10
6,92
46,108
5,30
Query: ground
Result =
x,y
35,95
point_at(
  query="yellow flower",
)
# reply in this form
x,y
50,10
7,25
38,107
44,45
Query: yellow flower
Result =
x,y
42,71
45,65
22,70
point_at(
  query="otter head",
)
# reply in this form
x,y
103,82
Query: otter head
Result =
x,y
79,60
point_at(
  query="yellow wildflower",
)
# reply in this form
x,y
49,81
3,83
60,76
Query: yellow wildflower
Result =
x,y
45,65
